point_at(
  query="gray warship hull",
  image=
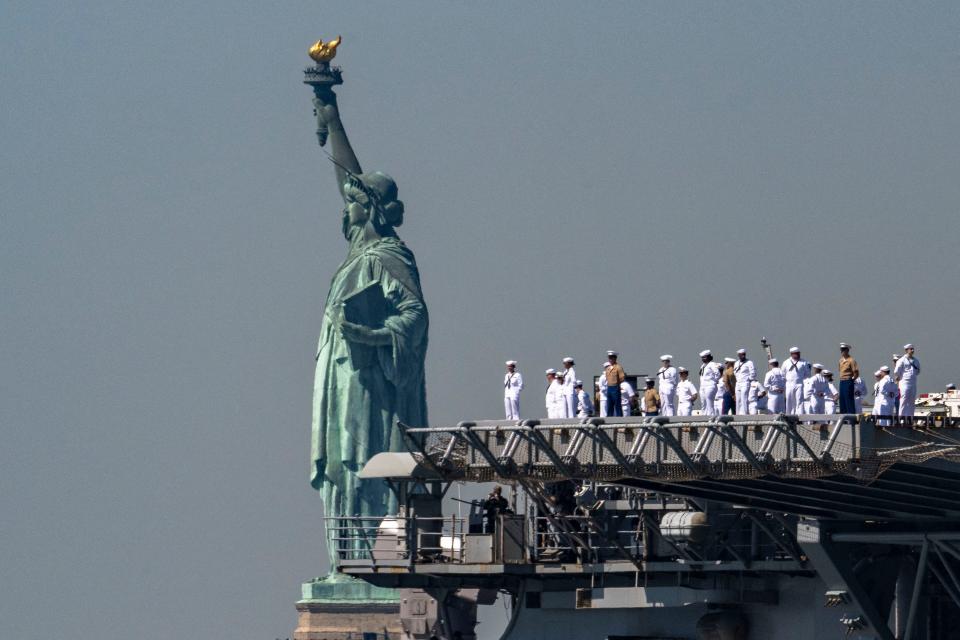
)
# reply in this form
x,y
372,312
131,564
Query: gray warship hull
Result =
x,y
720,528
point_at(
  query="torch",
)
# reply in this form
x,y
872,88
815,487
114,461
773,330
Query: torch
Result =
x,y
322,77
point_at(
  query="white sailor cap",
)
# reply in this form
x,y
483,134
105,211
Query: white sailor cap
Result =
x,y
844,345
682,370
729,359
773,361
510,363
885,369
578,383
827,372
878,372
817,365
705,353
649,380
607,365
551,372
666,356
561,372
612,354
741,352
568,360
909,345
951,387
794,349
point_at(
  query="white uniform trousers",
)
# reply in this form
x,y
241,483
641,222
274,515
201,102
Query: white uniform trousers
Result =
x,y
793,397
775,402
572,404
685,409
743,398
908,397
511,406
707,393
667,399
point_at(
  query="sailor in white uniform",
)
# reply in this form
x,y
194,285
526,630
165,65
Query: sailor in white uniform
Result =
x,y
710,373
602,382
859,391
775,384
815,390
512,386
686,394
744,371
667,380
626,396
884,396
906,371
832,395
569,386
584,403
555,401
795,371
756,398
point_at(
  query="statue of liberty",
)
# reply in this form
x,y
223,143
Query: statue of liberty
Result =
x,y
373,337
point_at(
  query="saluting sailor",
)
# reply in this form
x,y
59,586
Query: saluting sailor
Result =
x,y
556,405
512,386
906,372
710,373
744,371
832,395
859,391
602,388
686,394
569,386
667,383
775,384
795,371
884,395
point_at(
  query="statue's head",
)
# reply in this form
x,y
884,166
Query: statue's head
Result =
x,y
372,197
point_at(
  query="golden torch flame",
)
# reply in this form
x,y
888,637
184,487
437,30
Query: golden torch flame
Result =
x,y
324,52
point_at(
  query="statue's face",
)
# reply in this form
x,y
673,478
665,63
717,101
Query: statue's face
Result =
x,y
355,212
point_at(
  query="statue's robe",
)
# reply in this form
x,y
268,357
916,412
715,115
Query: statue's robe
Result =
x,y
361,391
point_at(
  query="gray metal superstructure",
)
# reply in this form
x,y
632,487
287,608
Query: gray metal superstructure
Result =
x,y
735,527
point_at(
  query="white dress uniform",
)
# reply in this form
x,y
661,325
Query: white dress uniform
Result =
x,y
686,392
754,397
775,383
626,394
603,393
584,404
556,401
667,379
884,397
794,373
744,372
710,373
829,400
718,400
570,389
906,371
512,386
859,391
815,391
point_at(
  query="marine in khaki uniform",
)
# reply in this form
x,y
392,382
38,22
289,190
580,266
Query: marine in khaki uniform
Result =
x,y
651,399
849,371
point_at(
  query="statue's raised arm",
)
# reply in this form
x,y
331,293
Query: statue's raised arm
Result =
x,y
330,129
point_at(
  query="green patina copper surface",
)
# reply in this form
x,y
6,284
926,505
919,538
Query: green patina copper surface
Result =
x,y
340,589
373,338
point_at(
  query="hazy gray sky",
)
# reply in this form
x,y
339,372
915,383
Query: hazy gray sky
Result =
x,y
643,176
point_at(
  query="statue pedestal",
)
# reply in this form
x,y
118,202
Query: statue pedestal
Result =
x,y
340,608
